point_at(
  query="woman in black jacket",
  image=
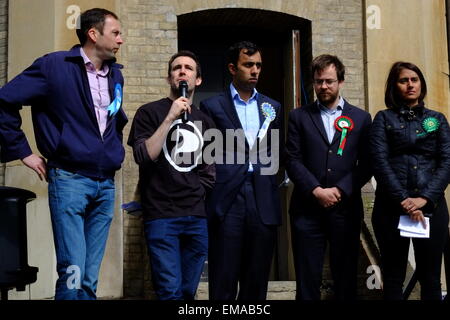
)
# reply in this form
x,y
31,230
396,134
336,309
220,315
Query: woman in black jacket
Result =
x,y
410,148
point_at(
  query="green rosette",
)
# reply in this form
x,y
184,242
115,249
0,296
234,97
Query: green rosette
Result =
x,y
430,124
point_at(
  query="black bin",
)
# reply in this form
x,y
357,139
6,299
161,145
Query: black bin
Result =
x,y
14,269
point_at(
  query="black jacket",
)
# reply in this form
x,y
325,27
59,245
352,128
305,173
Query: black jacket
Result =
x,y
312,161
231,176
411,157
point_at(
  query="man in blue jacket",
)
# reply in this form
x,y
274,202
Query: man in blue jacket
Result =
x,y
75,99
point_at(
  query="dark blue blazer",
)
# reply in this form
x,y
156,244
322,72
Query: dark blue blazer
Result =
x,y
229,177
65,126
312,161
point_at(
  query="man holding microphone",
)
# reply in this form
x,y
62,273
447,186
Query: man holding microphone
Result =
x,y
167,140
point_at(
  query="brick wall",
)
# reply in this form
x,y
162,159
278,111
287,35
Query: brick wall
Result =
x,y
3,40
3,60
151,38
150,30
338,29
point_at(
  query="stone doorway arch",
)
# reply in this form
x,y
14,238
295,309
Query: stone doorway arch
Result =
x,y
285,42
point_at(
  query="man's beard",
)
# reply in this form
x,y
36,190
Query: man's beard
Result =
x,y
327,98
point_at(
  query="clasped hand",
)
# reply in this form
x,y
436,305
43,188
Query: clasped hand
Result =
x,y
327,197
413,206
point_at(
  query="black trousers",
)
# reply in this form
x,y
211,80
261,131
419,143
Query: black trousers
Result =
x,y
394,252
337,227
240,250
447,266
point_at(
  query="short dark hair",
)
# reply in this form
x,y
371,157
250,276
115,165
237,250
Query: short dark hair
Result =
x,y
185,53
391,97
92,18
323,61
235,50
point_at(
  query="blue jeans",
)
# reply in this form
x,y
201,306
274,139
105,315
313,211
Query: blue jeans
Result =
x,y
178,248
81,210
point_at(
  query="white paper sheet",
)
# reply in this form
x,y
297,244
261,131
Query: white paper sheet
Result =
x,y
413,229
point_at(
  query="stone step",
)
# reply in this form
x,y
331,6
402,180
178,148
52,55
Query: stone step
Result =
x,y
277,290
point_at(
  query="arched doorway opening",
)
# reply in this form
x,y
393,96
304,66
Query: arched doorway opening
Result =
x,y
285,42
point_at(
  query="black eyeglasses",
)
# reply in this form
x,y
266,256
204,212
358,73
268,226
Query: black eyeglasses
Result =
x,y
328,82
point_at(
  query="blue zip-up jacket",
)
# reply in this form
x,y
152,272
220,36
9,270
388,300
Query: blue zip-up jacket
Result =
x,y
65,126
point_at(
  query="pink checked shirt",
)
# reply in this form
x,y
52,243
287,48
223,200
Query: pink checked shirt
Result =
x,y
98,82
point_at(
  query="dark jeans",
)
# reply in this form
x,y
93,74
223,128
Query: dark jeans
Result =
x,y
394,251
178,248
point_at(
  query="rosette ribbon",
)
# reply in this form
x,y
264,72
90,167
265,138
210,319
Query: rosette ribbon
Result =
x,y
430,124
345,125
117,102
269,113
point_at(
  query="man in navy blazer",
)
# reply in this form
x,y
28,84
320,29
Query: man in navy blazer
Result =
x,y
327,159
244,206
